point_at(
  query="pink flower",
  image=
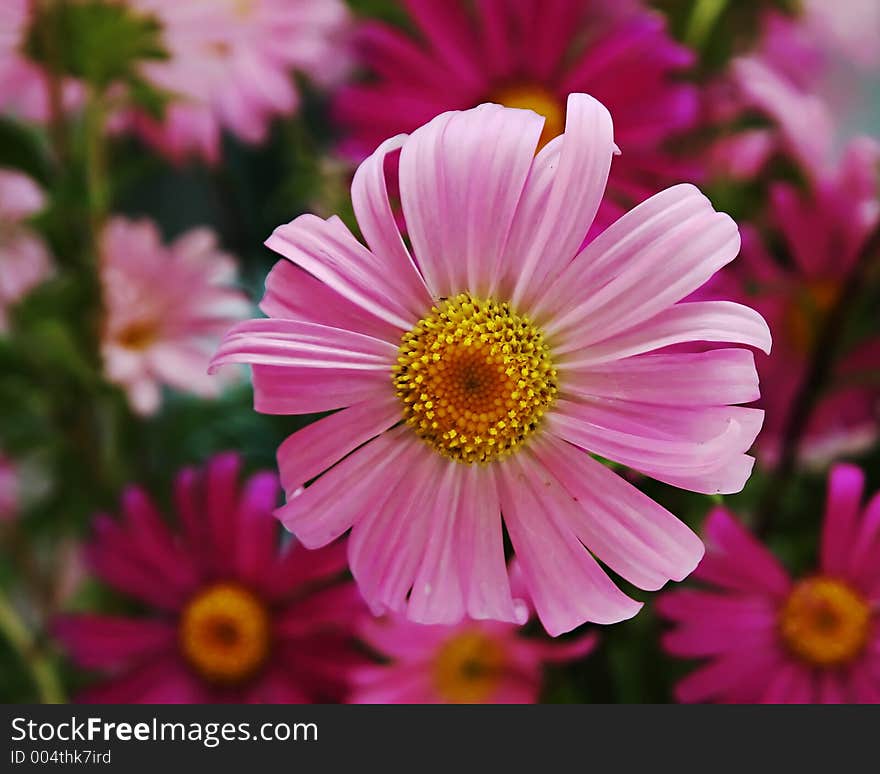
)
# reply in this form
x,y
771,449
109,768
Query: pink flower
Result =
x,y
231,616
24,258
770,639
24,87
531,54
230,67
823,230
473,662
165,309
8,489
799,79
477,368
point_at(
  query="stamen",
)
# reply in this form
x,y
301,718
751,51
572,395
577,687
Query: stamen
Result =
x,y
468,668
475,378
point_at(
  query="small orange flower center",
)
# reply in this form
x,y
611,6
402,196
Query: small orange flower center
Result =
x,y
225,633
474,378
468,668
539,99
825,622
138,335
807,310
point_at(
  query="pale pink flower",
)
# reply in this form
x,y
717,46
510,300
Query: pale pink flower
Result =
x,y
8,489
768,638
24,85
479,367
473,662
24,257
230,66
165,309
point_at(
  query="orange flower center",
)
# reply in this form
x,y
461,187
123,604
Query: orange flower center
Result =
x,y
807,310
539,99
138,335
225,633
825,622
474,378
468,668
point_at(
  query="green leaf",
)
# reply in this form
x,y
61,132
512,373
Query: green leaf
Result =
x,y
21,147
97,41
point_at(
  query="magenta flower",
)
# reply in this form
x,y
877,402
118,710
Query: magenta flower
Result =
x,y
823,230
232,617
165,309
770,639
8,489
473,662
477,369
530,54
24,257
230,66
24,87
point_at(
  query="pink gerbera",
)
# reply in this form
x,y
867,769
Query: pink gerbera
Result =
x,y
24,85
230,66
8,489
165,309
823,230
231,616
479,366
771,639
473,662
24,257
530,54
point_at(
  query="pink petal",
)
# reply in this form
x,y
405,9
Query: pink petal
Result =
x,y
320,513
294,294
651,258
466,168
549,226
713,378
846,484
566,584
633,535
298,390
369,197
320,445
743,671
327,250
256,530
736,560
715,321
687,447
792,684
110,643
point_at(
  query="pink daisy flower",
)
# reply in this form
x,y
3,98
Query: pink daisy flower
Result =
x,y
24,257
770,639
24,89
230,67
823,230
234,618
477,369
473,662
8,489
165,309
530,54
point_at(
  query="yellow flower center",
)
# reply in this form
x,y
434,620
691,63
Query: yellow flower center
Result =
x,y
539,99
825,622
807,310
225,633
475,378
468,668
138,335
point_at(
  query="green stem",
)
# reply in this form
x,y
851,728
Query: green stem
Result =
x,y
703,18
38,662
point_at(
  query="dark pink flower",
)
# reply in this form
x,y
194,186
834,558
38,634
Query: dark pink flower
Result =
x,y
770,639
231,617
530,54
